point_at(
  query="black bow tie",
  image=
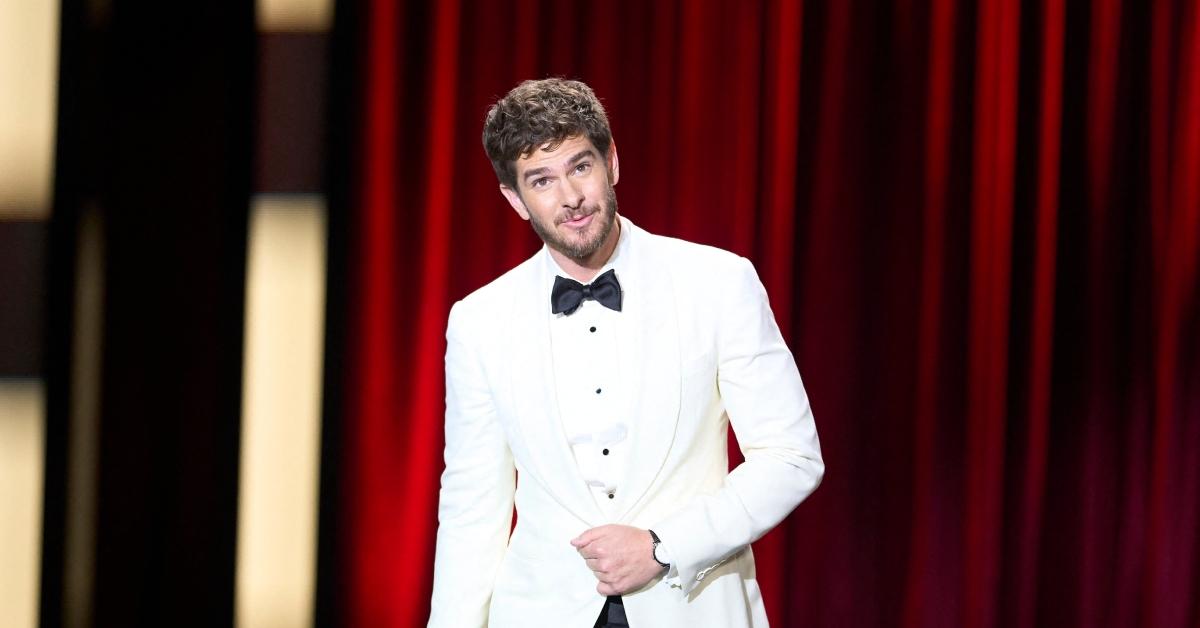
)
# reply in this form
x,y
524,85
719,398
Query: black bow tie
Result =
x,y
568,294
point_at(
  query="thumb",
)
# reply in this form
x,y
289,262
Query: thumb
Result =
x,y
583,539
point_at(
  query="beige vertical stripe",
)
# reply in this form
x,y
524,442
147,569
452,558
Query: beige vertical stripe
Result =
x,y
295,15
281,412
28,73
83,435
22,438
28,76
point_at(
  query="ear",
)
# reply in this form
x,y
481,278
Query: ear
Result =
x,y
514,199
614,164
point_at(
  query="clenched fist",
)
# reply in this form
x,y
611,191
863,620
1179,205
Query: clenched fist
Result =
x,y
621,557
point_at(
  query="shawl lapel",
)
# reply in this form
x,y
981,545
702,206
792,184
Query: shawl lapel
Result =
x,y
536,403
651,355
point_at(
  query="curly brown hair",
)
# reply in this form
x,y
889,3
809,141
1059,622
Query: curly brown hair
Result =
x,y
542,113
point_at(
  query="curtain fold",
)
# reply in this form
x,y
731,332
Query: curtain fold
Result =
x,y
978,223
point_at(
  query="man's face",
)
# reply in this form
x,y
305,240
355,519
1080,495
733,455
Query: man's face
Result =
x,y
567,196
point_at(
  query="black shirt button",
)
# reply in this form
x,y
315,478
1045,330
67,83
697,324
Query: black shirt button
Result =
x,y
592,329
605,452
612,495
597,391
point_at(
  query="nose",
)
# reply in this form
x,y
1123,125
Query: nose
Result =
x,y
572,194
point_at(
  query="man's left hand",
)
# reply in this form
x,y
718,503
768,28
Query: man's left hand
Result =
x,y
621,557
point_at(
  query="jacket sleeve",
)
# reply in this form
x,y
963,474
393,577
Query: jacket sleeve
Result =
x,y
476,500
768,408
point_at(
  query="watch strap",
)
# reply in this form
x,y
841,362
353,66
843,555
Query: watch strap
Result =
x,y
654,549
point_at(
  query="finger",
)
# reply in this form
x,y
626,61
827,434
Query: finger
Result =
x,y
591,535
583,539
593,550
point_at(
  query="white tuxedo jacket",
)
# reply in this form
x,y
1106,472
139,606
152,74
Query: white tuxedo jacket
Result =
x,y
707,353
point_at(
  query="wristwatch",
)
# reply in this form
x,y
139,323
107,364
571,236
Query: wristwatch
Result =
x,y
655,541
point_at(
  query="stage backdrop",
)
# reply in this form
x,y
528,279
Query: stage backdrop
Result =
x,y
977,222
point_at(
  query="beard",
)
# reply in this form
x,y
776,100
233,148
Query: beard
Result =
x,y
591,239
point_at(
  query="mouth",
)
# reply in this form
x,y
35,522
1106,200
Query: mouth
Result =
x,y
579,222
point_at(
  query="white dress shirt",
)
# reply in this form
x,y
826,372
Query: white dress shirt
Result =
x,y
593,394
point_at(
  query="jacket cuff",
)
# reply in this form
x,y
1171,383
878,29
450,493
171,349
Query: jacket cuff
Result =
x,y
687,567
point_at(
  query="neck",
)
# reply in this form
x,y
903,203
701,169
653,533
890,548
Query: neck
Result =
x,y
584,270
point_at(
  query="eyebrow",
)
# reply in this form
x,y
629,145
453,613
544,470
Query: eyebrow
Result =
x,y
587,152
537,172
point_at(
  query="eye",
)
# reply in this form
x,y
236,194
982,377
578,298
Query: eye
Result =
x,y
583,168
539,182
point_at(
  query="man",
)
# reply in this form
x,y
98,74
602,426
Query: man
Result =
x,y
592,386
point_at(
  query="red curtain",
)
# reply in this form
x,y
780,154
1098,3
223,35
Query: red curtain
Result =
x,y
977,221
